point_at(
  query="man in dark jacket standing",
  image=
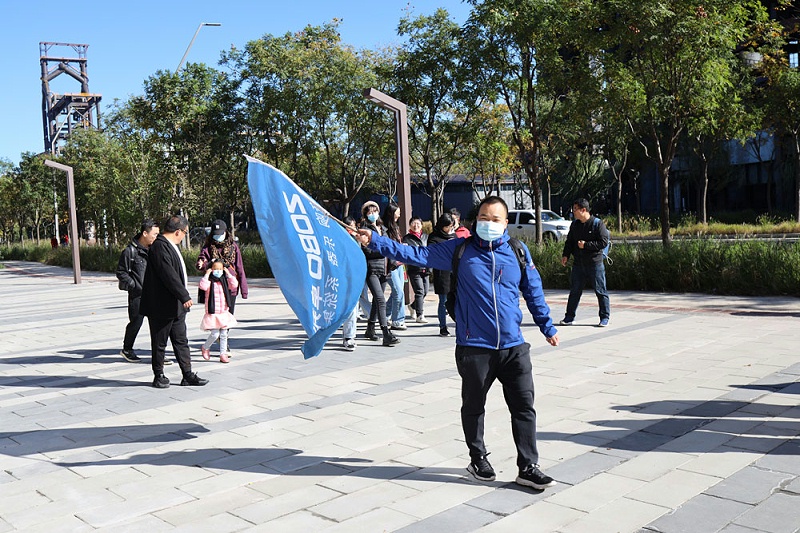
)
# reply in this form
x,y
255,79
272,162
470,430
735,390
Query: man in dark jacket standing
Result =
x,y
489,341
166,300
587,239
130,273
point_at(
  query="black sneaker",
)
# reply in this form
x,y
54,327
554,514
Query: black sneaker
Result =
x,y
481,469
531,476
130,356
444,332
194,380
161,382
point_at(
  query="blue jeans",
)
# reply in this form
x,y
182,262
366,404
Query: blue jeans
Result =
x,y
442,310
366,307
349,326
595,276
396,304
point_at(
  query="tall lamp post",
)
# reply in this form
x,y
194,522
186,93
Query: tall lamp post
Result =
x,y
401,146
73,220
398,108
192,42
186,53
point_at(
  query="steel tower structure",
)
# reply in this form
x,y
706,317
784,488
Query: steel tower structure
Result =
x,y
63,113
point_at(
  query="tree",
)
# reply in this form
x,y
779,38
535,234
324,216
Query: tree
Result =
x,y
782,112
435,85
488,155
520,51
304,109
678,53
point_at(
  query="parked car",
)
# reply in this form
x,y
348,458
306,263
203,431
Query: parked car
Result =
x,y
522,225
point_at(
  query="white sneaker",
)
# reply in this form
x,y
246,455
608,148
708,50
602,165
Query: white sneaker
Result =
x,y
411,313
349,344
421,319
400,326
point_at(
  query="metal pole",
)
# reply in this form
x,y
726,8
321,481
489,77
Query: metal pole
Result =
x,y
192,42
398,108
73,220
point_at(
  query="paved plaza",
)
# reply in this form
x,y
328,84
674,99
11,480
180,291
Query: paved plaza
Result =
x,y
681,416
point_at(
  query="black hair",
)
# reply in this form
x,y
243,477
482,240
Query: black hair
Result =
x,y
583,203
491,200
147,225
175,223
445,219
349,220
412,219
455,211
392,229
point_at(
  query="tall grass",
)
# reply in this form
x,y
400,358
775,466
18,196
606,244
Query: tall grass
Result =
x,y
747,267
99,259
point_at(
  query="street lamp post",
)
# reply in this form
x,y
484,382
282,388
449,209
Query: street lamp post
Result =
x,y
73,220
401,146
186,53
192,42
398,108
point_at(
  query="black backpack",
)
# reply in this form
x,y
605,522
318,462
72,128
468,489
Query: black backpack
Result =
x,y
450,304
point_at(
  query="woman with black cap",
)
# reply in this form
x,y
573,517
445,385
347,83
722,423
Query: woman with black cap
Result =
x,y
377,276
220,245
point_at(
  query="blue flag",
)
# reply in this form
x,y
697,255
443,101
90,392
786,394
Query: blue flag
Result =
x,y
318,266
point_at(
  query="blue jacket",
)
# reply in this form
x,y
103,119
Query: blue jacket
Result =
x,y
489,284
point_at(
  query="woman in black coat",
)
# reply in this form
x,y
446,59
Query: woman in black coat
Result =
x,y
442,231
377,276
417,276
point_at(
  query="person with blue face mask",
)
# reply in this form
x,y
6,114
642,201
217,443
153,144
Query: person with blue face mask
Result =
x,y
489,341
221,245
377,278
218,284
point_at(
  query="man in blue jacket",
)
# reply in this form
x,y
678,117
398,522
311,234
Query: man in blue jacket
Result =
x,y
489,341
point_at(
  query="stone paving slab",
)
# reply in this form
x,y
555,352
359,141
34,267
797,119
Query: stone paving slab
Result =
x,y
681,416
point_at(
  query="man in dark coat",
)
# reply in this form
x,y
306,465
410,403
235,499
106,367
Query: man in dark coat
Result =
x,y
130,273
166,300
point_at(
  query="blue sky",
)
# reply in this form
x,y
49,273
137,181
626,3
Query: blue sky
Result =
x,y
129,41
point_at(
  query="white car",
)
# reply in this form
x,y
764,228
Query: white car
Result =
x,y
522,225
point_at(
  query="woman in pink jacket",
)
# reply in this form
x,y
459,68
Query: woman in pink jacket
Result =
x,y
219,284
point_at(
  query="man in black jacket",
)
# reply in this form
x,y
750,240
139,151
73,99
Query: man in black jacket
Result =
x,y
166,300
130,273
586,241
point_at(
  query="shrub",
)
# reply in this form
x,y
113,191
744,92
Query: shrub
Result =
x,y
759,268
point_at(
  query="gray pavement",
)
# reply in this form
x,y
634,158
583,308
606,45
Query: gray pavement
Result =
x,y
681,416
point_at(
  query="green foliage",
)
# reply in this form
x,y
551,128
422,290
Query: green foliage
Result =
x,y
100,259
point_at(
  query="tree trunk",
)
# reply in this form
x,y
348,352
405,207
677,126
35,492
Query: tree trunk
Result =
x,y
231,226
703,203
797,175
619,199
663,170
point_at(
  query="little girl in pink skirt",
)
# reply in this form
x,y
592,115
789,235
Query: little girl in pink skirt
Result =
x,y
218,284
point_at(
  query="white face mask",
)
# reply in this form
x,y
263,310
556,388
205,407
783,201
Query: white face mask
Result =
x,y
216,273
489,231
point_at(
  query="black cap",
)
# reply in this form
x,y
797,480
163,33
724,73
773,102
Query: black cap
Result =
x,y
218,227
